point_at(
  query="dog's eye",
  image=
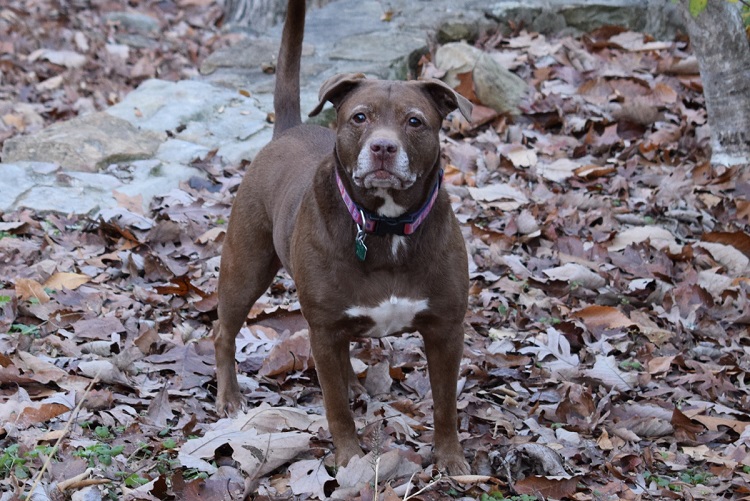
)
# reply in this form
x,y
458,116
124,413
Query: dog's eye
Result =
x,y
415,122
359,118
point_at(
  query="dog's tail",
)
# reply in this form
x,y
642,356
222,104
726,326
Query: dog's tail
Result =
x,y
286,104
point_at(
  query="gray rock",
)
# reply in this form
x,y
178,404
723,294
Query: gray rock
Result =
x,y
67,193
659,18
152,177
134,21
252,53
18,178
48,188
497,87
236,151
179,151
494,85
457,29
548,23
159,105
382,47
589,17
201,114
85,143
136,40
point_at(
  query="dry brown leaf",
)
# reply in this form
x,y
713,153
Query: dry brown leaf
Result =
x,y
658,365
27,289
734,260
714,422
133,204
602,317
67,280
592,171
559,487
465,86
292,353
660,238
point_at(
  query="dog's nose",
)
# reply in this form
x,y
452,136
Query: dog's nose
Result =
x,y
383,148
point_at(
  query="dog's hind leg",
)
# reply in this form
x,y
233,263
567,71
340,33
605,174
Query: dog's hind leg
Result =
x,y
248,266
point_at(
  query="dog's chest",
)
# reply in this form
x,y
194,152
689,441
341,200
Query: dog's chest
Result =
x,y
393,315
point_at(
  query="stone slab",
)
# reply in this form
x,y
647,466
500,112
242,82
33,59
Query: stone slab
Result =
x,y
46,187
201,115
86,143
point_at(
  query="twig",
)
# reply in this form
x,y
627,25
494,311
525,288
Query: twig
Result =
x,y
420,491
66,429
408,485
81,481
377,471
65,484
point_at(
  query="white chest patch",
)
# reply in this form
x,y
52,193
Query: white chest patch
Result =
x,y
389,207
390,316
396,243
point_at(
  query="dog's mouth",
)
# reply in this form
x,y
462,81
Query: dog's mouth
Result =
x,y
383,178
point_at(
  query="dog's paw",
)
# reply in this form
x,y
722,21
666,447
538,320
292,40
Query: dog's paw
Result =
x,y
453,465
230,404
357,390
346,453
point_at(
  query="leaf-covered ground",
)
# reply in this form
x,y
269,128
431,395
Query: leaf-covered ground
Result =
x,y
606,350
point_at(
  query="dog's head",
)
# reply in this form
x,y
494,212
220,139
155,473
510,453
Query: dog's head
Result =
x,y
387,131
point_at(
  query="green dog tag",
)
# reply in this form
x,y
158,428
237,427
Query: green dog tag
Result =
x,y
360,249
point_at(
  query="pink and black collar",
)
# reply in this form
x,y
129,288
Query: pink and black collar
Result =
x,y
381,225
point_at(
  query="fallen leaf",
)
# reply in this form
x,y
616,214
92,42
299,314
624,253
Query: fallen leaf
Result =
x,y
502,196
559,170
606,370
519,155
565,363
27,289
576,273
660,238
309,477
558,487
735,261
597,317
67,280
67,58
257,453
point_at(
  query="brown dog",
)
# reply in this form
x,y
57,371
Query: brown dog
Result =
x,y
358,219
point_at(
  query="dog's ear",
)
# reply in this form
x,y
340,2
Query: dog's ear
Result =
x,y
335,89
446,98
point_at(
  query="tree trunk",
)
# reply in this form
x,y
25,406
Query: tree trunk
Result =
x,y
258,15
721,46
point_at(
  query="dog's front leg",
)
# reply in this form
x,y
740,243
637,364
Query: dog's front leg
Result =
x,y
444,348
331,353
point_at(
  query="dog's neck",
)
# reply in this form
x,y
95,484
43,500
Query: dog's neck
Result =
x,y
389,218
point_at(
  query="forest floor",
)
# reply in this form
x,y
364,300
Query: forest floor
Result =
x,y
606,349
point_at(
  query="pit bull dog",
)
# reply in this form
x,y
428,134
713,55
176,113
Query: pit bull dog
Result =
x,y
358,218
